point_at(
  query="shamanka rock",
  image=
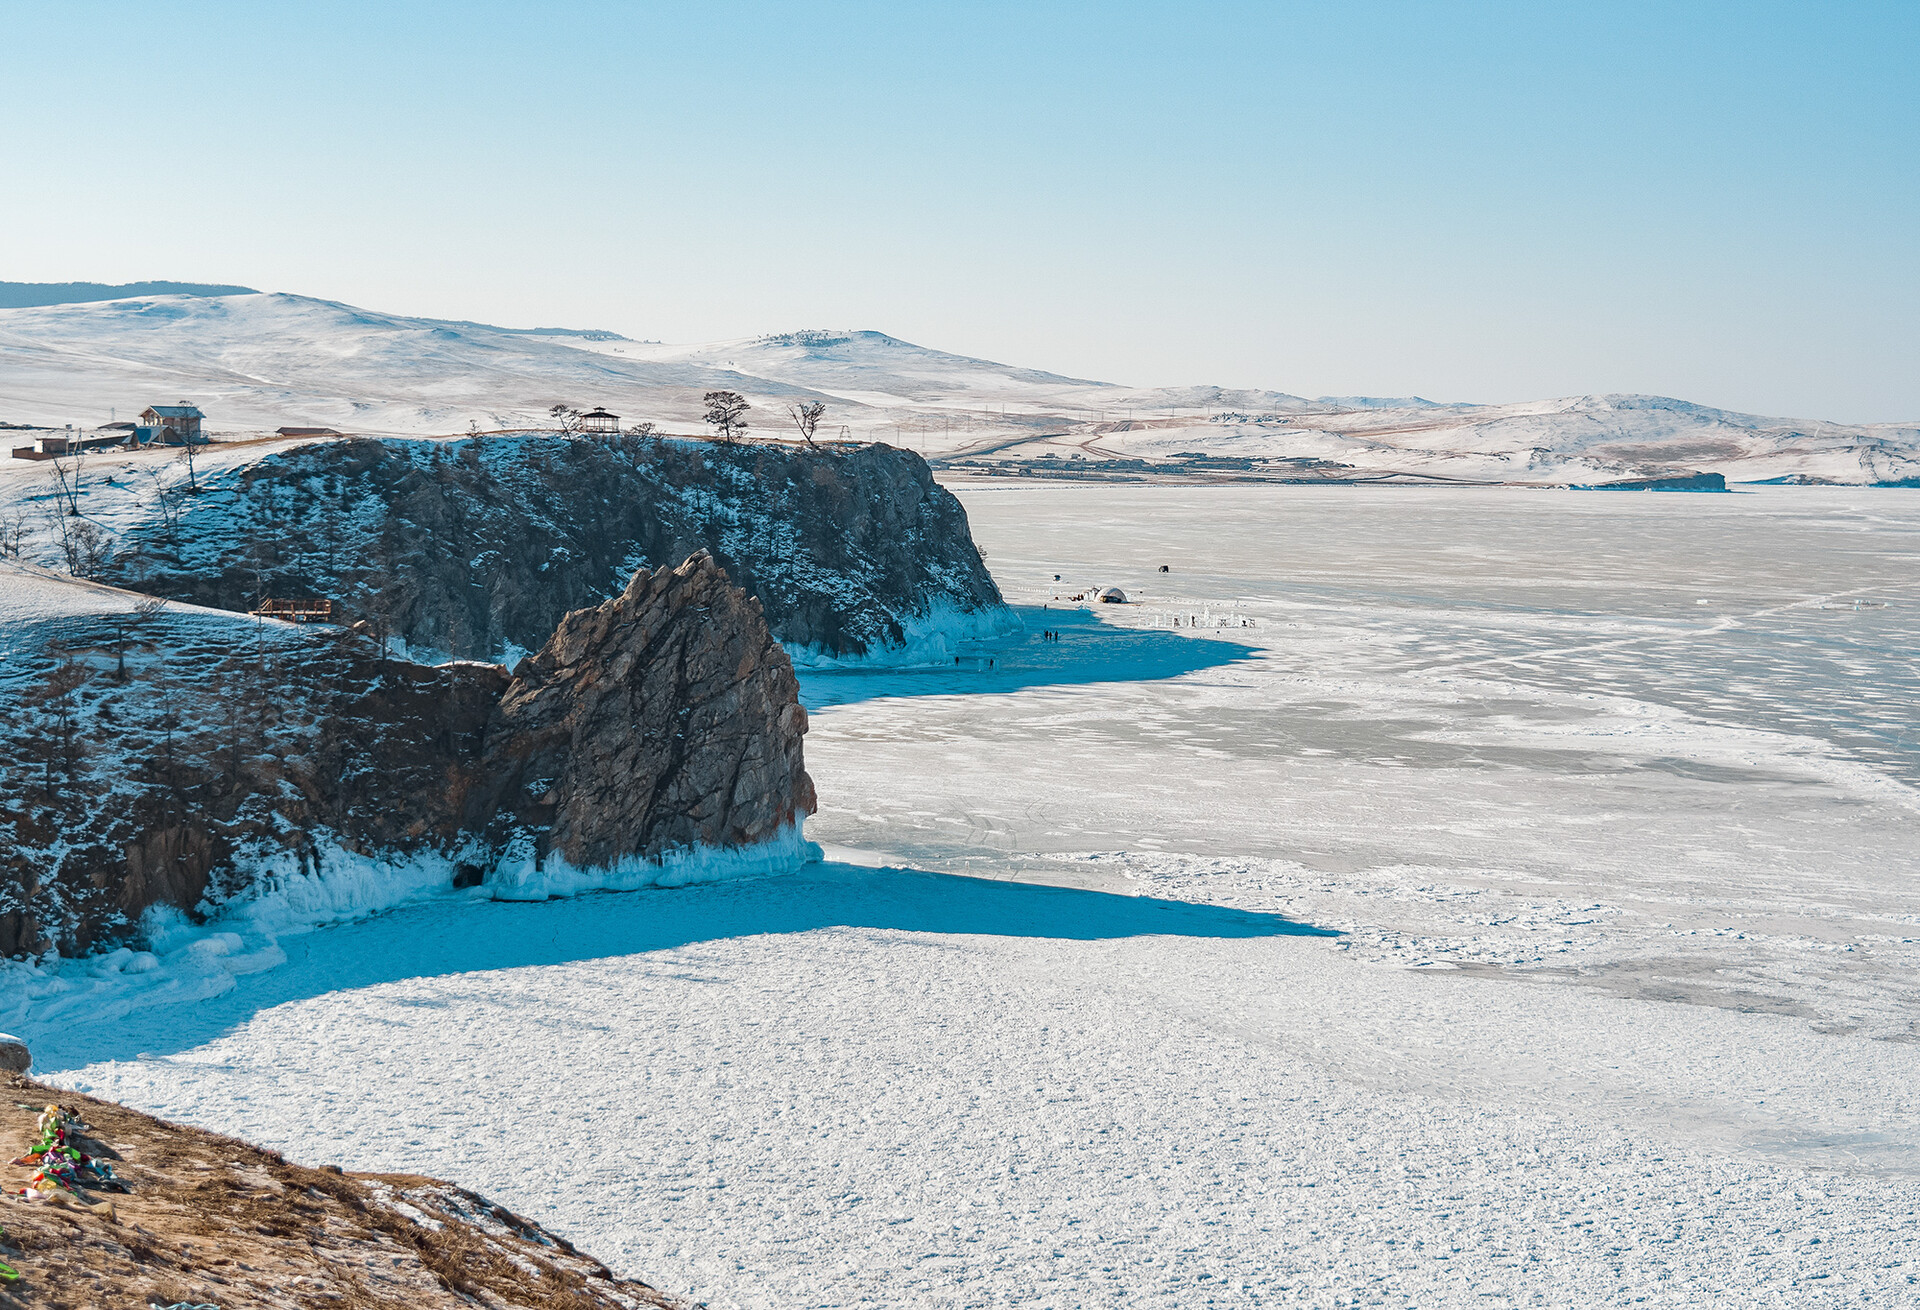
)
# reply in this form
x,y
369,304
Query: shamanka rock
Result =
x,y
662,719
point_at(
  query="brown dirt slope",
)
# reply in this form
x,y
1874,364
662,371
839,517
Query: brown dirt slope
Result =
x,y
212,1220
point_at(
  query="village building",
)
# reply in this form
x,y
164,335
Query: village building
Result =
x,y
172,425
55,444
598,420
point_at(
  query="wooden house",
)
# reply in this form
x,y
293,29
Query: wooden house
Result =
x,y
173,425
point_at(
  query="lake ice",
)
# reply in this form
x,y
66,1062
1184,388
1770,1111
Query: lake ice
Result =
x,y
1481,897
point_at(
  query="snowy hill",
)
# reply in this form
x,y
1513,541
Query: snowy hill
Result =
x,y
1575,439
873,368
255,362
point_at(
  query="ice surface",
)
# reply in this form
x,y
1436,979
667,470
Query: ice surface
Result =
x,y
1617,1008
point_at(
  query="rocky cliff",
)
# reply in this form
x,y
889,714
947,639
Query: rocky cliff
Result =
x,y
191,758
475,548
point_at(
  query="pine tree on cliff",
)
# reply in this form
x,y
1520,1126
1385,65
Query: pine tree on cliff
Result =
x,y
726,413
807,418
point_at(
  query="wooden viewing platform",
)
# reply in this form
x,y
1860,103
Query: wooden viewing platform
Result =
x,y
295,611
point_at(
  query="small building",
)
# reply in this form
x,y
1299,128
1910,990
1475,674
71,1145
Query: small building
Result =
x,y
306,432
598,420
56,444
172,425
1113,596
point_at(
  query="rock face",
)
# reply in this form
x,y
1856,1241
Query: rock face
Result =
x,y
184,762
211,1220
662,719
476,547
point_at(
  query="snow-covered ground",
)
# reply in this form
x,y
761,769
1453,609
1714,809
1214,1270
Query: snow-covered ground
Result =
x,y
1480,898
1575,439
261,361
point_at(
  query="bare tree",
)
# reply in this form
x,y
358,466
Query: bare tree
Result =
x,y
56,700
725,413
128,622
86,545
13,534
88,548
123,625
807,417
188,452
167,498
566,418
67,470
640,430
170,725
148,608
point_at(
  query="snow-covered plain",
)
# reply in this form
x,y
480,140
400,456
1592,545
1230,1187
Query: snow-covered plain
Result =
x,y
1480,898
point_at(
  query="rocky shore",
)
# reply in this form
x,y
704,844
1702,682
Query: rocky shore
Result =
x,y
211,1220
193,759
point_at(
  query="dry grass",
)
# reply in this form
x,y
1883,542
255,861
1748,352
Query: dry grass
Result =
x,y
210,1219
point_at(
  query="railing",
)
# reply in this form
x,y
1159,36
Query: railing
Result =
x,y
295,611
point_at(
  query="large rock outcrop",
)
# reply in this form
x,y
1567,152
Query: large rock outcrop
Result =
x,y
184,758
662,719
474,548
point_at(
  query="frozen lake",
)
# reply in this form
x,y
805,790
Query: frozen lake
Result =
x,y
1482,897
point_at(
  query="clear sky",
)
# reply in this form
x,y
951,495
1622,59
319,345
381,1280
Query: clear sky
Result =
x,y
1463,201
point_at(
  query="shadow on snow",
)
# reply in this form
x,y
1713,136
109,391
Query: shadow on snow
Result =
x,y
462,936
1089,650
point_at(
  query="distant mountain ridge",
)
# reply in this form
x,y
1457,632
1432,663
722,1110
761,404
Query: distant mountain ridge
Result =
x,y
29,295
256,362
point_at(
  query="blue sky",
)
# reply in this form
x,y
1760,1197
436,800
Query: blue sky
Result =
x,y
1464,201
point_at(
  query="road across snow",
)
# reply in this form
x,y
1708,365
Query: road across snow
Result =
x,y
1617,1008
